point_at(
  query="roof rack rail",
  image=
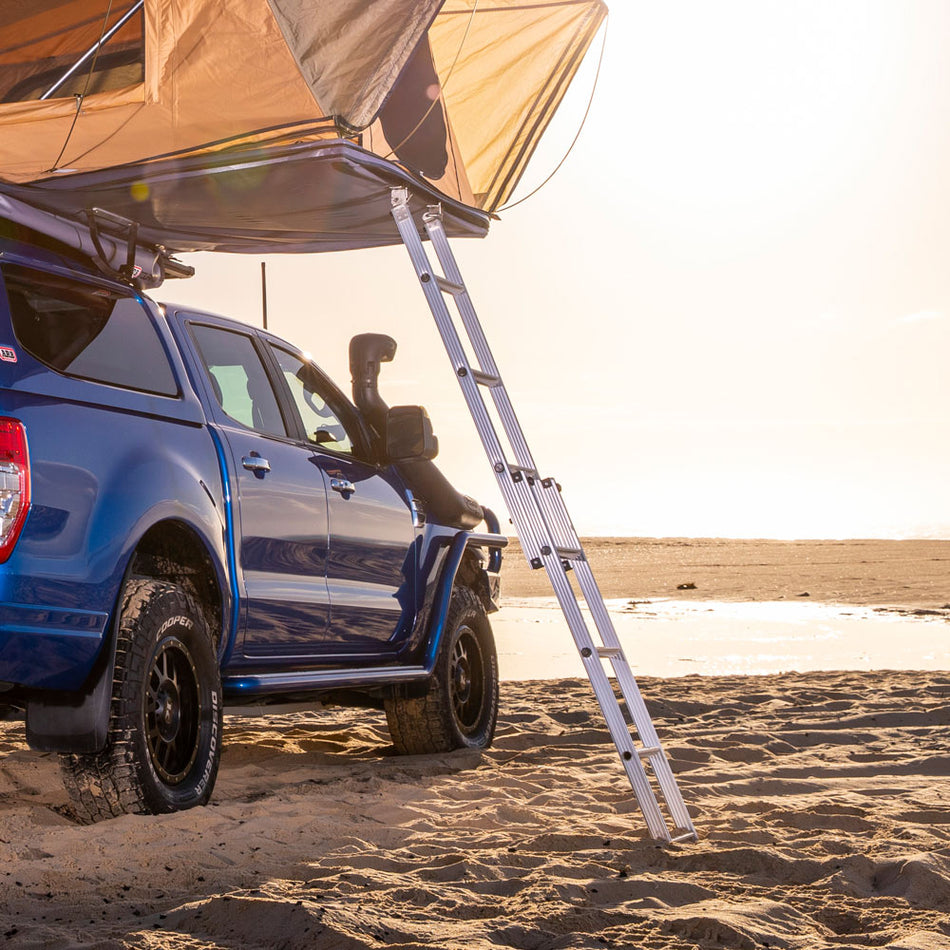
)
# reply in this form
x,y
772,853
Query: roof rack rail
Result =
x,y
110,241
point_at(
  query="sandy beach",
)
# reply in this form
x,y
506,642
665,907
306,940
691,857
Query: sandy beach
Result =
x,y
913,574
821,798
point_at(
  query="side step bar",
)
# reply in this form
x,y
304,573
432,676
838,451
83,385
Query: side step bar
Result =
x,y
342,677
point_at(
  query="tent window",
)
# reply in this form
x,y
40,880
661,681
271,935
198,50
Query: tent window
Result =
x,y
39,48
413,119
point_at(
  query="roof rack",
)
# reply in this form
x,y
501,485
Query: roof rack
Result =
x,y
110,241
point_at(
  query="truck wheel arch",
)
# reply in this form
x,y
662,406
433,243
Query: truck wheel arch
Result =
x,y
471,573
173,551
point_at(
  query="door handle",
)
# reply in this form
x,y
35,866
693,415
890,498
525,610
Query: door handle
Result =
x,y
343,485
254,463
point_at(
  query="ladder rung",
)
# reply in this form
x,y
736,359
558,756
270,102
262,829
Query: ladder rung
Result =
x,y
689,836
608,653
449,286
517,470
572,554
649,750
485,379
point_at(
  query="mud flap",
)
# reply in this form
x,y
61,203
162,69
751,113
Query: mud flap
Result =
x,y
77,723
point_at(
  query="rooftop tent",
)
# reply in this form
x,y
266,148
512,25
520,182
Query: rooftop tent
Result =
x,y
253,125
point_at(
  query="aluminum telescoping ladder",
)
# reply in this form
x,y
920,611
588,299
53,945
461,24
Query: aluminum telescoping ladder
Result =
x,y
545,530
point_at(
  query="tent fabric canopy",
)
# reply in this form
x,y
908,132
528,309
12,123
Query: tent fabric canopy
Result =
x,y
352,53
455,93
39,48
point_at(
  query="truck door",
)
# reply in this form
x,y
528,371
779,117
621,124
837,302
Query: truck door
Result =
x,y
281,523
371,563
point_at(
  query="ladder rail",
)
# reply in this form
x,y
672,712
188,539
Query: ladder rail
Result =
x,y
565,535
513,491
486,359
545,528
556,515
628,686
616,724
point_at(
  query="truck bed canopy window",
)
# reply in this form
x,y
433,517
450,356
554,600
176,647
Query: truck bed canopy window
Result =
x,y
86,331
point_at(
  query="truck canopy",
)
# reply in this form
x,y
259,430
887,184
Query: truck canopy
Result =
x,y
253,125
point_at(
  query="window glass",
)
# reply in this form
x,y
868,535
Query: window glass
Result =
x,y
87,331
320,422
239,379
50,52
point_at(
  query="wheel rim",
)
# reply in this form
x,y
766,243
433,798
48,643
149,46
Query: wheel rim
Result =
x,y
172,711
468,680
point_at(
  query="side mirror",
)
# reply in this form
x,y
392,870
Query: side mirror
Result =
x,y
409,434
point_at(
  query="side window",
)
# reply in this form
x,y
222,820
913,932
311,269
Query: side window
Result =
x,y
239,379
322,425
87,331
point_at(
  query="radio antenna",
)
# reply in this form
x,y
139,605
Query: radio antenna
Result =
x,y
264,292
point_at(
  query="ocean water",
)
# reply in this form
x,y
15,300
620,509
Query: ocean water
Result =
x,y
668,637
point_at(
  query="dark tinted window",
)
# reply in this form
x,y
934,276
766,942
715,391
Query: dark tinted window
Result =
x,y
87,331
238,378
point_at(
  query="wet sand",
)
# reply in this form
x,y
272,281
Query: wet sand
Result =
x,y
678,637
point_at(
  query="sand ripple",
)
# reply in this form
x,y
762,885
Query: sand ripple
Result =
x,y
822,801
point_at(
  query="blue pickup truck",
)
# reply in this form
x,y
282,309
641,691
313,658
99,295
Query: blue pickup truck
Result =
x,y
193,515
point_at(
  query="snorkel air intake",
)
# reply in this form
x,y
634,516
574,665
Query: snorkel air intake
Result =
x,y
442,502
367,352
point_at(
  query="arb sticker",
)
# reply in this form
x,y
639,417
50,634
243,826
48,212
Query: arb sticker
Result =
x,y
7,355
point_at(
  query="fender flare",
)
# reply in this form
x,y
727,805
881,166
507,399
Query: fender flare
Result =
x,y
463,540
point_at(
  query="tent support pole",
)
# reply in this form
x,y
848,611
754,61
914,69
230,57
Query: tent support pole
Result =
x,y
95,47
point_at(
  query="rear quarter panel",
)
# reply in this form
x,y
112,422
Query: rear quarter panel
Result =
x,y
106,465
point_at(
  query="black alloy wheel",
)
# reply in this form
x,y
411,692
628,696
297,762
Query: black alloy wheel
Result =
x,y
172,711
457,707
164,739
468,680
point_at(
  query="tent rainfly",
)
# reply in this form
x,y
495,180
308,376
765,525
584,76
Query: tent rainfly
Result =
x,y
270,125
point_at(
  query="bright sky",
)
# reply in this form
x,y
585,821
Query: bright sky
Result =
x,y
727,315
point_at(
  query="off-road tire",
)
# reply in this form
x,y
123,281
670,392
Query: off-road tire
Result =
x,y
459,707
164,739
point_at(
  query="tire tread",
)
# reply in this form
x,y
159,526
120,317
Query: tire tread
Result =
x,y
422,724
106,784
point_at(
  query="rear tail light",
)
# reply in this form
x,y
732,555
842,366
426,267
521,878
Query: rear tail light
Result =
x,y
14,483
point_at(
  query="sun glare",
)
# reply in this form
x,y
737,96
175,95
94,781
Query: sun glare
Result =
x,y
740,270
740,114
